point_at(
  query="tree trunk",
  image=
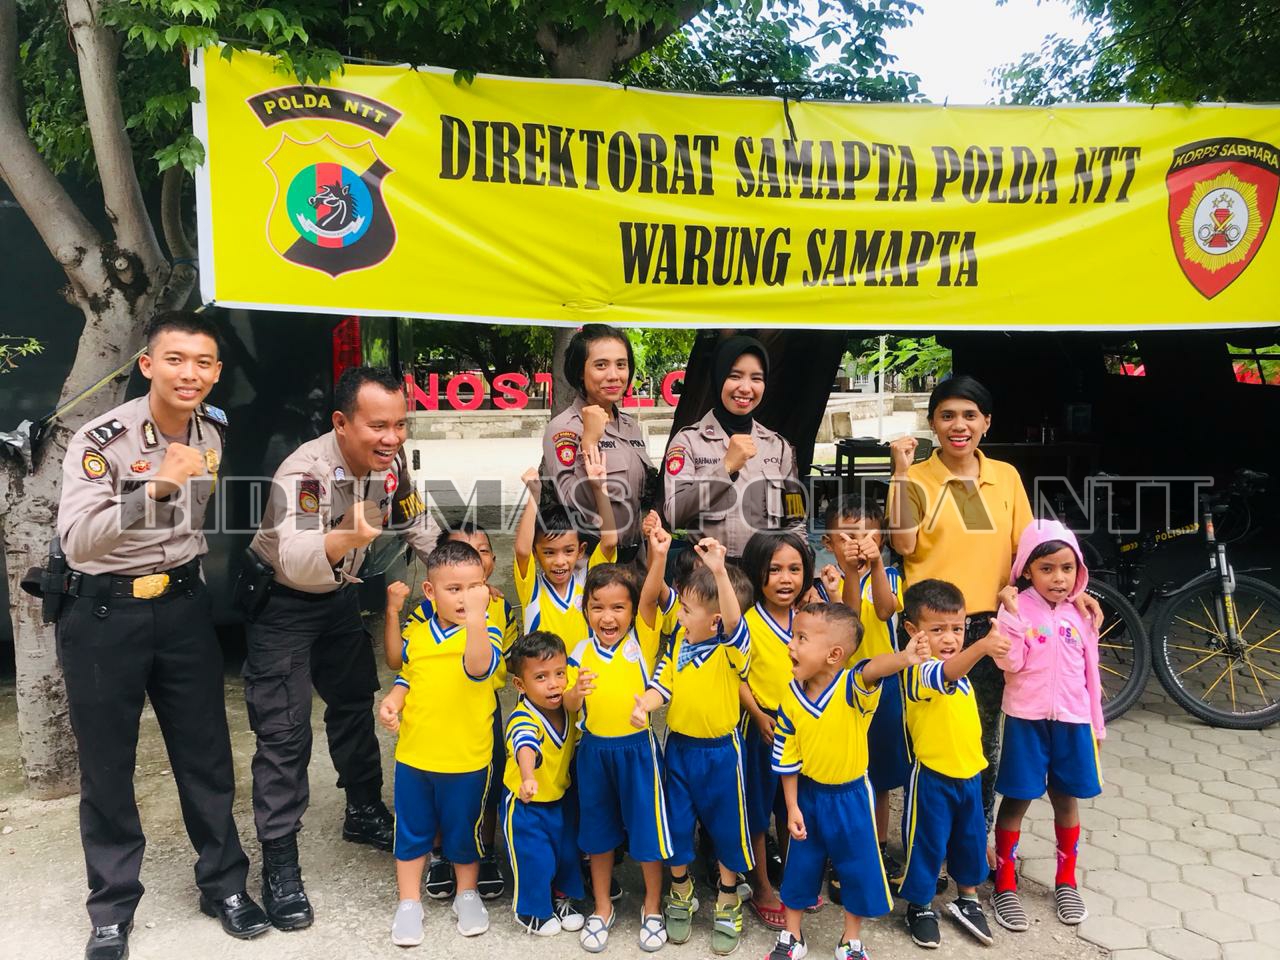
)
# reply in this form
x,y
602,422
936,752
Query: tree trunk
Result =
x,y
562,393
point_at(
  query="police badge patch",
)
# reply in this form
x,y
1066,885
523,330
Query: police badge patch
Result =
x,y
309,495
675,460
566,446
94,465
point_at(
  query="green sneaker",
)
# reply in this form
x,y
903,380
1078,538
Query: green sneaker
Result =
x,y
679,912
726,929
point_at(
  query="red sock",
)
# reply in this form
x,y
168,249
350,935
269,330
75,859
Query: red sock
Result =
x,y
1068,847
1007,859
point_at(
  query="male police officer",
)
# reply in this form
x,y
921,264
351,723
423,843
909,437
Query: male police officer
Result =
x,y
137,623
329,500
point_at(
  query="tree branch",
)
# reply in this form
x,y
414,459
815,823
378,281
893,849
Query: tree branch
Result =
x,y
97,51
648,37
183,273
63,228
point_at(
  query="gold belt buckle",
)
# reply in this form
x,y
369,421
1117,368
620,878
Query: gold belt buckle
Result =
x,y
151,586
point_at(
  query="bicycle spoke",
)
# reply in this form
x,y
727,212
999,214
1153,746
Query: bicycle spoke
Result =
x,y
1261,692
1254,666
1211,686
1212,631
1231,683
1245,626
1201,661
1115,646
1273,633
1117,673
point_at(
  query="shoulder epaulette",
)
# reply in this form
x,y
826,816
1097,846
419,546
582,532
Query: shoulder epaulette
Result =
x,y
216,414
106,432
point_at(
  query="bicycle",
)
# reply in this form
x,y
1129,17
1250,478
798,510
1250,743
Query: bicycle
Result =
x,y
1214,640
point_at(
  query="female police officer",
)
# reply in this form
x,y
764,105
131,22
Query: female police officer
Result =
x,y
599,363
727,474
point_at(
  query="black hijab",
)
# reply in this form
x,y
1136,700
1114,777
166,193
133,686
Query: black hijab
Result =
x,y
727,354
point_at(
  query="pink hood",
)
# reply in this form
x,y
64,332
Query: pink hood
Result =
x,y
1042,531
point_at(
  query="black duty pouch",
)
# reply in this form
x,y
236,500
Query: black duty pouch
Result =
x,y
254,584
49,582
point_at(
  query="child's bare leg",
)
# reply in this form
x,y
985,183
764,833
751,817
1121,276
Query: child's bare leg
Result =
x,y
467,874
601,876
761,889
728,881
852,927
794,917
1011,813
882,816
651,870
1066,810
409,877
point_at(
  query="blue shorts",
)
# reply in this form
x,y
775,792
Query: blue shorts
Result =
x,y
542,841
498,763
449,803
705,783
1036,753
942,819
841,826
763,794
621,796
888,760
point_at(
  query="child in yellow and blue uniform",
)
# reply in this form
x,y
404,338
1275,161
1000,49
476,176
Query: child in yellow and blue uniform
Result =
x,y
541,817
942,813
855,536
440,882
619,774
820,752
700,676
442,705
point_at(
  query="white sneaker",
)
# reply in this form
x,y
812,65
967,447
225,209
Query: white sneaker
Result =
x,y
539,926
473,918
406,926
570,917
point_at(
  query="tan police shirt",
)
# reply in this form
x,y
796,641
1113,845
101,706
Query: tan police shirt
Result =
x,y
700,495
311,494
106,521
626,461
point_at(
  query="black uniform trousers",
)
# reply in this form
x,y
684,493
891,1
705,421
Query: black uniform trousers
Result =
x,y
296,641
114,652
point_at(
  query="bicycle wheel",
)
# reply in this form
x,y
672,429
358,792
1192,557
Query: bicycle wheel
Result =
x,y
1238,690
1124,656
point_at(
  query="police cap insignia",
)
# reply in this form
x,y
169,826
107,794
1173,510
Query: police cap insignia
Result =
x,y
309,495
140,466
106,432
94,465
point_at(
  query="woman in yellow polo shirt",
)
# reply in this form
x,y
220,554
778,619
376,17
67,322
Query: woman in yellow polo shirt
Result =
x,y
957,517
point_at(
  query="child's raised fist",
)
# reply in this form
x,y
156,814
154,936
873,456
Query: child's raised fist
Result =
x,y
476,600
998,642
532,481
830,576
649,523
659,541
918,649
712,553
397,594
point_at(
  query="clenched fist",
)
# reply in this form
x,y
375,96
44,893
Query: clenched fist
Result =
x,y
180,464
594,419
903,453
741,449
363,522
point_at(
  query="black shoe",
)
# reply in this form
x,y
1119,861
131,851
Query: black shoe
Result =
x,y
892,868
370,823
108,943
968,913
490,884
923,924
943,882
440,881
773,860
283,896
239,915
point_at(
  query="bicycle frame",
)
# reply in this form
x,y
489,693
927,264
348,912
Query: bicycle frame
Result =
x,y
1224,602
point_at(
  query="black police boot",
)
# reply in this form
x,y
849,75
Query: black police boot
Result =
x,y
370,823
283,896
109,942
239,915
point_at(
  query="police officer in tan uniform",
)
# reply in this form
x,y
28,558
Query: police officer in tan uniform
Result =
x,y
329,500
136,623
727,475
599,363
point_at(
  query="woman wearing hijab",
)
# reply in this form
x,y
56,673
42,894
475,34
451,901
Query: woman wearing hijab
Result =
x,y
727,475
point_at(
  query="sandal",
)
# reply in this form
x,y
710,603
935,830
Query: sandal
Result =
x,y
775,918
822,902
653,932
595,933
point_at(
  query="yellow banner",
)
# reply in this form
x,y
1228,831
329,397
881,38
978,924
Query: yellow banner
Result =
x,y
395,191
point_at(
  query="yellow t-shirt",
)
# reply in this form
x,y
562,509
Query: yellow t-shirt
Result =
x,y
622,671
878,636
542,608
967,530
770,669
529,727
942,718
825,739
447,722
670,611
703,691
500,614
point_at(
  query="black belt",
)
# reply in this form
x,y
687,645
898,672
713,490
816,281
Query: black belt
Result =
x,y
278,589
149,586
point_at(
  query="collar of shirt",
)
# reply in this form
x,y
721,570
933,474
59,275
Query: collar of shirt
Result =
x,y
937,470
709,427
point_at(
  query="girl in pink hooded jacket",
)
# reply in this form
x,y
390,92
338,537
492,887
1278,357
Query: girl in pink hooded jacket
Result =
x,y
1053,713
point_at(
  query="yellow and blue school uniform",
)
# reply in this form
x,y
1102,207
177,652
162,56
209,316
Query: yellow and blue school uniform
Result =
x,y
542,834
669,613
543,607
768,677
445,746
503,616
824,741
942,809
705,779
890,764
619,769
1054,753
